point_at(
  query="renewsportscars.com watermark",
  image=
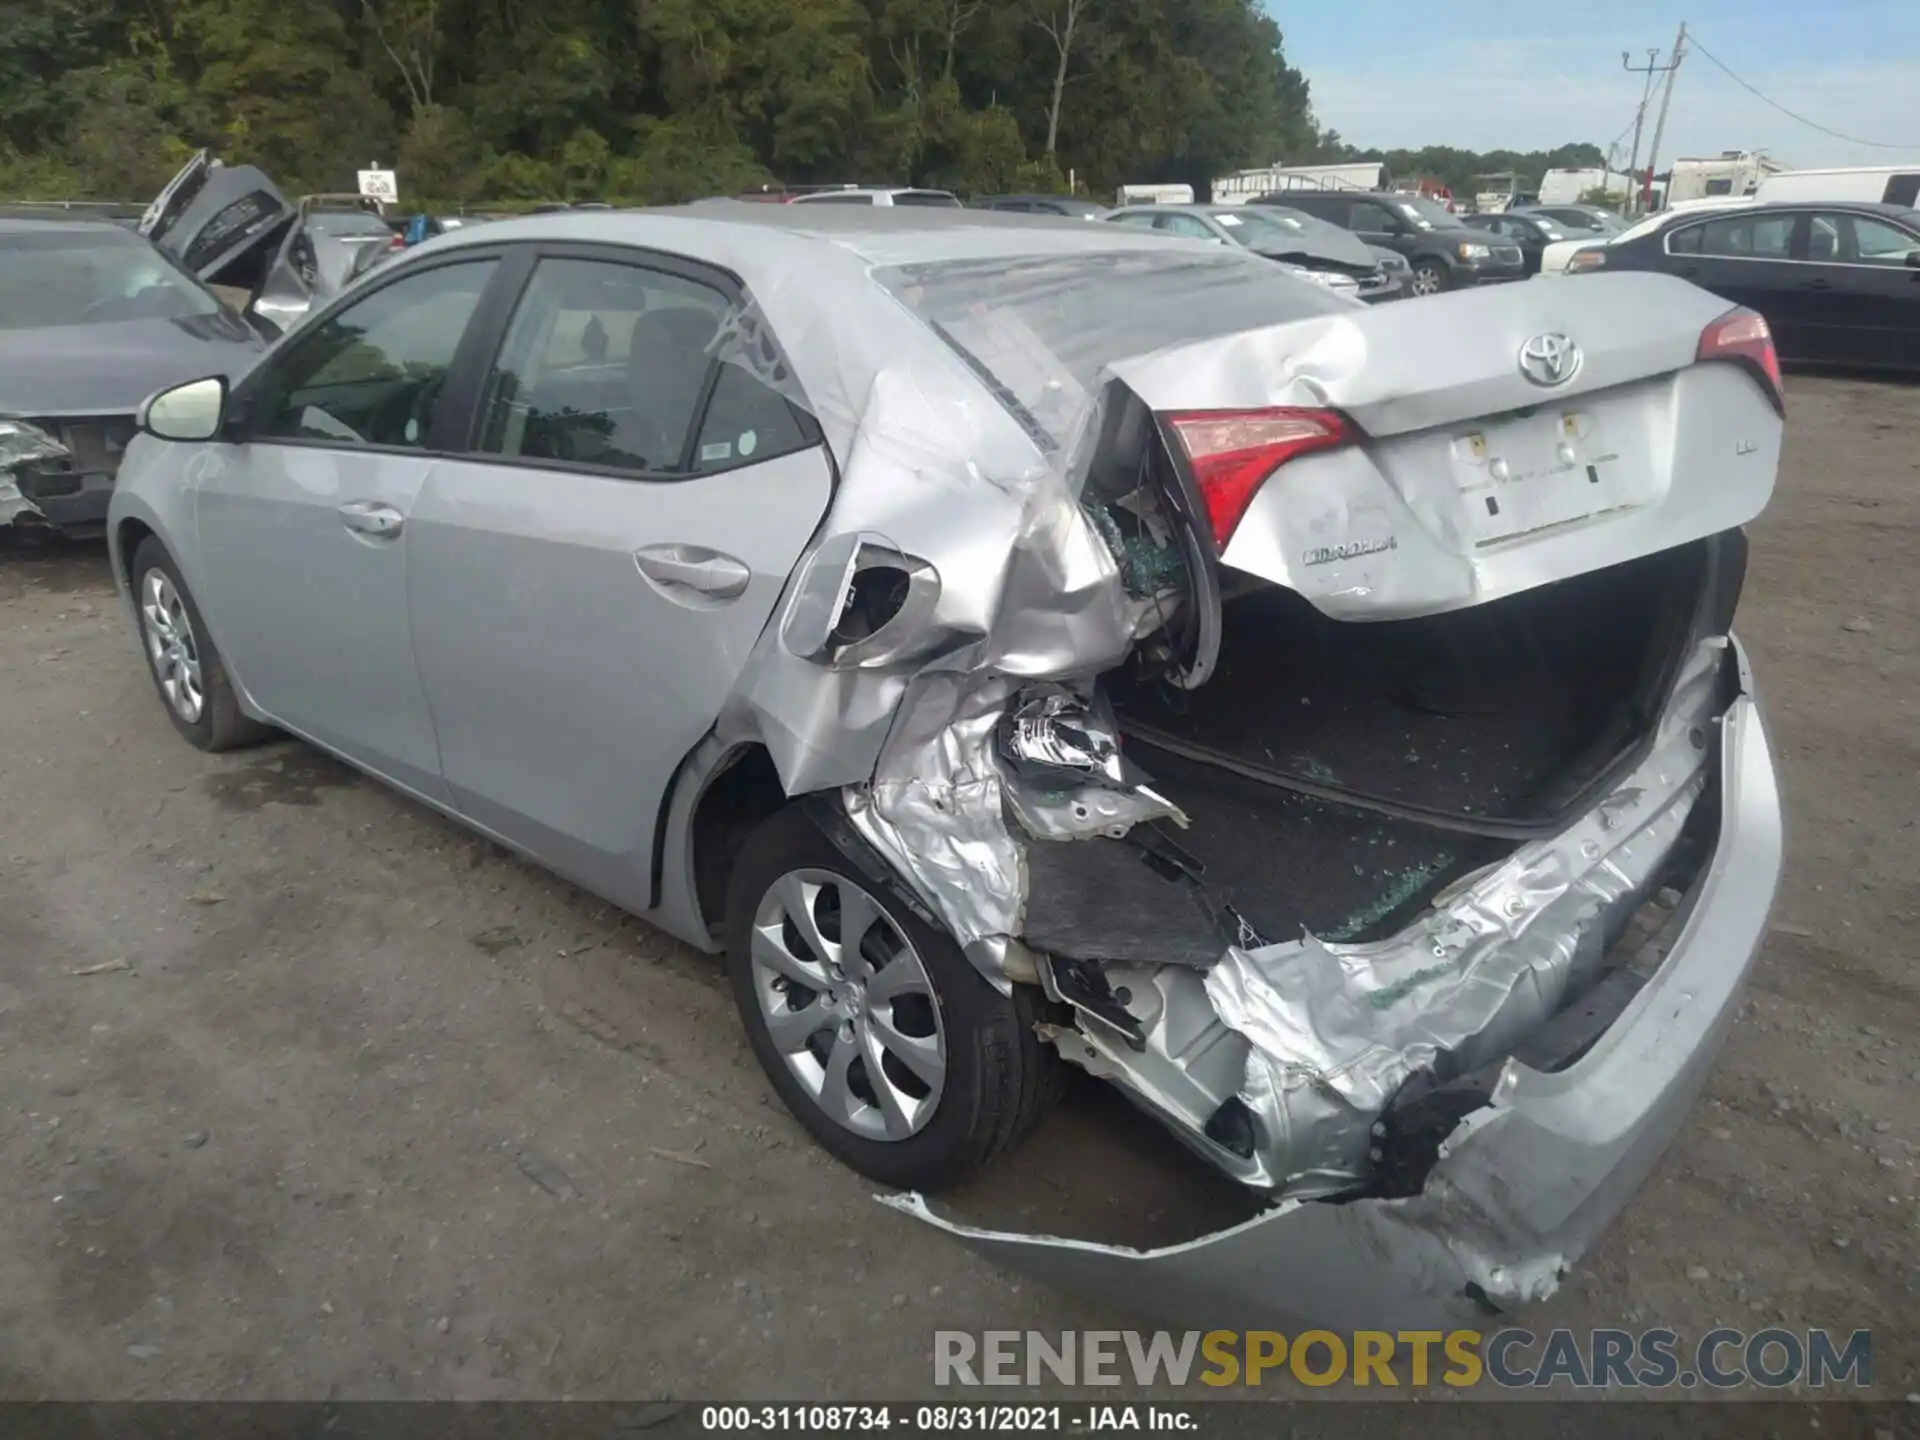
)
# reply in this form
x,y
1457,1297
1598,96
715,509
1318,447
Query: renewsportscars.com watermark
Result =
x,y
1654,1359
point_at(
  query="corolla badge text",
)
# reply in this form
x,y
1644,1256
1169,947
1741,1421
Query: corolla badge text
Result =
x,y
1550,359
1352,550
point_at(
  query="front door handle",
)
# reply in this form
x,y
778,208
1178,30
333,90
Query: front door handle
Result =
x,y
1816,284
694,567
369,517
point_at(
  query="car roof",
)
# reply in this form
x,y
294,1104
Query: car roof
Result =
x,y
729,230
1859,207
871,190
60,225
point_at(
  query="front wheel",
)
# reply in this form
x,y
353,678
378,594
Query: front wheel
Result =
x,y
878,1034
187,669
1430,278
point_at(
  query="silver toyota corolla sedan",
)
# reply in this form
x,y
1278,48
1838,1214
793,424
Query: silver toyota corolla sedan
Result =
x,y
1016,643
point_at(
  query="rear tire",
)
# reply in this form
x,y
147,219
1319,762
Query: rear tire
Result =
x,y
962,1075
186,667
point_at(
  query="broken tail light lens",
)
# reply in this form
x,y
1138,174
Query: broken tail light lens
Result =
x,y
1744,337
1232,453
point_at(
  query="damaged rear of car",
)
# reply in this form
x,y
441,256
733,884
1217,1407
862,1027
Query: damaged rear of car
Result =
x,y
1357,759
1030,646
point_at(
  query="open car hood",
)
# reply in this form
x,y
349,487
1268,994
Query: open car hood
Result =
x,y
212,216
164,210
1313,242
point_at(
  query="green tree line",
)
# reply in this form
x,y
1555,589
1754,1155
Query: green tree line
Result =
x,y
651,101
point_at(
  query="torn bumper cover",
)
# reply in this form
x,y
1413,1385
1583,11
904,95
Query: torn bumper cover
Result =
x,y
1524,1185
22,445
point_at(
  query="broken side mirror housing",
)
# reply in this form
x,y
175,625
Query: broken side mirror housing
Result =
x,y
193,411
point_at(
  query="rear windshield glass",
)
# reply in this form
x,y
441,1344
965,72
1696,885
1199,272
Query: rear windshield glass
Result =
x,y
62,277
346,223
1040,331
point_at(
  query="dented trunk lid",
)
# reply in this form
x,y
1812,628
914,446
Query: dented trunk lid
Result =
x,y
1465,479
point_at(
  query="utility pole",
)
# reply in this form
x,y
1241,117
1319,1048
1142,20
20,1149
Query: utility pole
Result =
x,y
1639,116
1666,99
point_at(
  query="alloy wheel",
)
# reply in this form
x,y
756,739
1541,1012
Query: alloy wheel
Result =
x,y
1426,281
171,647
849,1005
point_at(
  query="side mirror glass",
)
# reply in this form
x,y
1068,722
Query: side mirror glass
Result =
x,y
192,411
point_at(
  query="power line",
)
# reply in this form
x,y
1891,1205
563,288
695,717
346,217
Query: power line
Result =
x,y
1694,40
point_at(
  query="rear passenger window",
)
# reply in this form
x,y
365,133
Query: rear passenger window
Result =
x,y
603,364
745,422
1322,207
606,365
1765,237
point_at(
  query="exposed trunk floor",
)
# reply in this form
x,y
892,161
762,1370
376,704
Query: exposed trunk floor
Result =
x,y
1285,862
1485,713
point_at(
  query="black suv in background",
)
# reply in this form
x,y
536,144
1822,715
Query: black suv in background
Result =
x,y
1444,254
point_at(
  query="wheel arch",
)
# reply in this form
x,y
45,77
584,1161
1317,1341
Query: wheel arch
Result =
x,y
724,791
124,538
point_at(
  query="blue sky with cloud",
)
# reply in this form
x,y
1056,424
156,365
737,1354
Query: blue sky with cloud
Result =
x,y
1485,74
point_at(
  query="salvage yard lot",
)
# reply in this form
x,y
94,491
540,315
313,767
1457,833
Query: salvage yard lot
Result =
x,y
309,1093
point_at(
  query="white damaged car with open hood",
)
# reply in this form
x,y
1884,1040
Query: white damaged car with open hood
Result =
x,y
1020,644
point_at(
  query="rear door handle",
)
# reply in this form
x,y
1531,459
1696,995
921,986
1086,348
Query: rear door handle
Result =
x,y
1816,284
370,517
694,567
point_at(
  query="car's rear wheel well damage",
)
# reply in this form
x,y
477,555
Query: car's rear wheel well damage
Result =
x,y
743,794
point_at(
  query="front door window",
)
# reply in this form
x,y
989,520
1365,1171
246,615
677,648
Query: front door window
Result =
x,y
370,375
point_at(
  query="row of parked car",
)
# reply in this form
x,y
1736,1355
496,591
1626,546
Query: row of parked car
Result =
x,y
1838,280
1407,244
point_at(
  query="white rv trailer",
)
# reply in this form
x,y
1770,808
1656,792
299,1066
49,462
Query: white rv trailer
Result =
x,y
1565,187
1154,195
1732,172
1251,184
1884,184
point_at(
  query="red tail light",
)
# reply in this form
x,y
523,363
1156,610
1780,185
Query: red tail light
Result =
x,y
1743,336
1232,452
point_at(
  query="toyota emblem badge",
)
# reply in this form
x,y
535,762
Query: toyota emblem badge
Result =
x,y
1550,359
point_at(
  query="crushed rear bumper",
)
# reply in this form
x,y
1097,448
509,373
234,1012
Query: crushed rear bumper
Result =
x,y
1525,1186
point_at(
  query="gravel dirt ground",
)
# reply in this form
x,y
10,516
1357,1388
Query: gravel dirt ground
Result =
x,y
310,1094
